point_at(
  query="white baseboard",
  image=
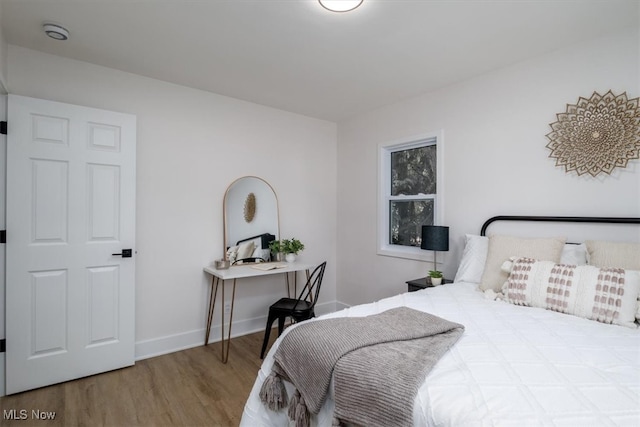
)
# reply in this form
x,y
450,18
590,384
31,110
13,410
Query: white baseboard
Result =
x,y
171,343
340,305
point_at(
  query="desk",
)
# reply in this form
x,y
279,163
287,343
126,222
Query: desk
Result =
x,y
239,272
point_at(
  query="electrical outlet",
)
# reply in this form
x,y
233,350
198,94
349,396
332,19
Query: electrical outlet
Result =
x,y
227,307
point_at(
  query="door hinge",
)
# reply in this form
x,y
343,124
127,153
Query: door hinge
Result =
x,y
3,236
3,345
3,128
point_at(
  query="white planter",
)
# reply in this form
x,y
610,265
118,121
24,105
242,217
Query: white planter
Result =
x,y
436,281
290,257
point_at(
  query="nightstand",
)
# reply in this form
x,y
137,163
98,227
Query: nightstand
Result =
x,y
422,283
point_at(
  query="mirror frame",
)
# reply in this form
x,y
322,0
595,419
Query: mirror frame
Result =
x,y
225,220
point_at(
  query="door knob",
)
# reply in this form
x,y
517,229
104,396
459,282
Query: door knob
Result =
x,y
126,253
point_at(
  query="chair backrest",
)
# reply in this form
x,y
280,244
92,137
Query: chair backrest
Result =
x,y
311,290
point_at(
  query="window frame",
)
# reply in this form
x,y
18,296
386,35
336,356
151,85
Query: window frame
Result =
x,y
385,248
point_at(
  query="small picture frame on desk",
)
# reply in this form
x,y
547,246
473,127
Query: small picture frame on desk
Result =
x,y
423,283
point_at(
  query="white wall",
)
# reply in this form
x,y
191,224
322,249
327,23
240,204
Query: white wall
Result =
x,y
191,146
495,161
3,58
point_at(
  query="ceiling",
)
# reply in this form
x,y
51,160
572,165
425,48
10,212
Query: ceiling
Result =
x,y
296,56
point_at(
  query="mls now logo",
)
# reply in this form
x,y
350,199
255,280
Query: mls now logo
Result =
x,y
23,414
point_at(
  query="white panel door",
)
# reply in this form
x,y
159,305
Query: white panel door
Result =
x,y
3,175
70,209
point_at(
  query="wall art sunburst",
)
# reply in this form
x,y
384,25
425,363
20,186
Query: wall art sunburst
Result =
x,y
250,207
596,135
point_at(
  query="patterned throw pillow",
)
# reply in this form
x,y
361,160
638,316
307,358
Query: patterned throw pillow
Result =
x,y
607,295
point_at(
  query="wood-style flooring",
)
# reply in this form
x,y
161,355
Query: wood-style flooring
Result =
x,y
186,388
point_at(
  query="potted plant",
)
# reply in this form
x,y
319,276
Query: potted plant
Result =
x,y
277,249
436,277
291,247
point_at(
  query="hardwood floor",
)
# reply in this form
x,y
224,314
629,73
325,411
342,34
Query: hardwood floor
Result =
x,y
186,388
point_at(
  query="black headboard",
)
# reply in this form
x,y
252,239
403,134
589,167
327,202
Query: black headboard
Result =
x,y
264,240
589,219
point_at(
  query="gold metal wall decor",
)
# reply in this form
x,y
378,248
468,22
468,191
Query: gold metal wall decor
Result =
x,y
250,207
596,135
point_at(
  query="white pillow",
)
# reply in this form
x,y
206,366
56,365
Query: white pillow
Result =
x,y
474,257
607,295
501,248
265,254
574,254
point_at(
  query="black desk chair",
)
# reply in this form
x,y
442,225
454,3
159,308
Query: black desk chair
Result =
x,y
299,309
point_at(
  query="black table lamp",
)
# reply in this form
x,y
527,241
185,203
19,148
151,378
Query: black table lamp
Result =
x,y
435,238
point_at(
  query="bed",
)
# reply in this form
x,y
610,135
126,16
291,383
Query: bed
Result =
x,y
514,365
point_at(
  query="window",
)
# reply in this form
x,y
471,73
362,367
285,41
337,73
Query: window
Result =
x,y
409,179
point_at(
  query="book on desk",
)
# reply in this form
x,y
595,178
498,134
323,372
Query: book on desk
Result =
x,y
268,266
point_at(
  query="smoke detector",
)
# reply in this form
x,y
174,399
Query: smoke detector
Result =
x,y
55,31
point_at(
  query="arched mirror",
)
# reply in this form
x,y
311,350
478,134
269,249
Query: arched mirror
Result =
x,y
251,220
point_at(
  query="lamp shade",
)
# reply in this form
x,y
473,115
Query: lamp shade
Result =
x,y
435,238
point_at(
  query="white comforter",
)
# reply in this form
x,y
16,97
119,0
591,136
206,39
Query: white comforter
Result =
x,y
513,366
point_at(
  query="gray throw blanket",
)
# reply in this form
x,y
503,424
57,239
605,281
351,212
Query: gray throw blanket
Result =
x,y
378,362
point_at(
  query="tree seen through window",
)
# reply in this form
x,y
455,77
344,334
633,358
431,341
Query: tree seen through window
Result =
x,y
413,189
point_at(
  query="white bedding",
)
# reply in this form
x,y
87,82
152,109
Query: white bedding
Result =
x,y
513,366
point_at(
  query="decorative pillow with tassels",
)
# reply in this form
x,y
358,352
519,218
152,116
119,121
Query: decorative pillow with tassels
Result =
x,y
607,295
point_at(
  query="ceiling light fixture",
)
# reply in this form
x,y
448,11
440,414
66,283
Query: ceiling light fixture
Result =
x,y
340,5
55,31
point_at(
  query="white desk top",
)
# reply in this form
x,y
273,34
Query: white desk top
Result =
x,y
240,271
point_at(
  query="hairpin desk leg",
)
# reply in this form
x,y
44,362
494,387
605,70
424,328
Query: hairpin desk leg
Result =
x,y
286,282
225,350
212,304
295,283
307,282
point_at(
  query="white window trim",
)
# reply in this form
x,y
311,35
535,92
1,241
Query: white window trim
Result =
x,y
384,171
